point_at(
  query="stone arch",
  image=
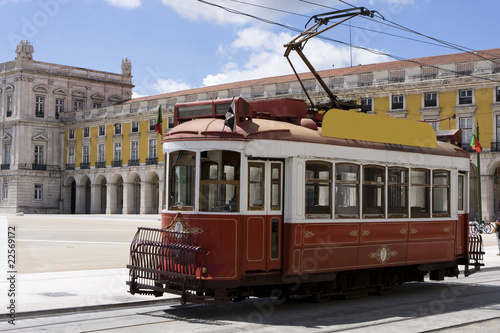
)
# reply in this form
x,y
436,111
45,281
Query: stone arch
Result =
x,y
132,194
99,195
69,195
152,193
83,195
114,195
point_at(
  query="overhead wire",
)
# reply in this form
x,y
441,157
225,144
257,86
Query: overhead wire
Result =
x,y
374,51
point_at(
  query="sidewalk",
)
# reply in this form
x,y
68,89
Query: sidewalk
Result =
x,y
59,290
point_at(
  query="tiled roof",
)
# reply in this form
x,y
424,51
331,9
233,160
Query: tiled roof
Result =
x,y
417,62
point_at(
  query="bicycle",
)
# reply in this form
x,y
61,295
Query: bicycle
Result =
x,y
477,228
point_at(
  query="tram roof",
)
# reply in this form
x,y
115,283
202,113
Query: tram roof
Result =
x,y
301,130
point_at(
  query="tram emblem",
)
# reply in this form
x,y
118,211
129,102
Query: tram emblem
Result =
x,y
179,225
383,254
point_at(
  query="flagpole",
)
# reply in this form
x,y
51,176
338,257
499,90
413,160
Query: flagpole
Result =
x,y
479,204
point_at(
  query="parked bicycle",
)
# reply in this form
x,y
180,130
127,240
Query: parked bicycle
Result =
x,y
483,227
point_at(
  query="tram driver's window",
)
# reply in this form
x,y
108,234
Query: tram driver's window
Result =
x,y
347,191
373,192
182,180
440,193
318,190
420,184
220,179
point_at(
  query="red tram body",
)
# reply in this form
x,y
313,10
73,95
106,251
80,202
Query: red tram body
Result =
x,y
276,207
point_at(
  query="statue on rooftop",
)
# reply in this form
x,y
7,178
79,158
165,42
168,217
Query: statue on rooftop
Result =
x,y
126,67
24,50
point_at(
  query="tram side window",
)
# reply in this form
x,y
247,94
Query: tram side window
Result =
x,y
318,189
346,191
420,185
220,179
440,193
182,180
256,186
373,192
398,192
461,192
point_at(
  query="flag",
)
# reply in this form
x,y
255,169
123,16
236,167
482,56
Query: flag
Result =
x,y
230,117
158,122
474,143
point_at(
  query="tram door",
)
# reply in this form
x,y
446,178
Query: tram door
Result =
x,y
265,223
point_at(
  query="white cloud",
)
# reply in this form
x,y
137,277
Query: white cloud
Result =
x,y
167,85
264,51
127,4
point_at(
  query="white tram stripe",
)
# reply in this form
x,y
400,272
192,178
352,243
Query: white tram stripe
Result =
x,y
71,242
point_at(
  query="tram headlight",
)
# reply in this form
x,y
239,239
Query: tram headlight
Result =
x,y
204,271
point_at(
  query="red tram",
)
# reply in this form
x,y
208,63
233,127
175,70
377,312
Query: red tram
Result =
x,y
278,205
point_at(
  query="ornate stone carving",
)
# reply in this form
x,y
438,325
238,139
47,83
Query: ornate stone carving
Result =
x,y
24,50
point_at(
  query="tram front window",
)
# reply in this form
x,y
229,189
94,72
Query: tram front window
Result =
x,y
182,180
219,183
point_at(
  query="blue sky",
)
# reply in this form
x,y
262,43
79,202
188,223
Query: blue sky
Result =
x,y
180,44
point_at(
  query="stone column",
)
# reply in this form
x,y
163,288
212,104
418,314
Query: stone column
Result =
x,y
488,193
80,199
146,198
111,199
95,199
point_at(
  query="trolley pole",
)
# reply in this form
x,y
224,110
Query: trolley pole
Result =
x,y
479,204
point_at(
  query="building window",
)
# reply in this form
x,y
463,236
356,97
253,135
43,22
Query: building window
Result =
x,y
367,104
39,105
170,123
118,129
152,123
102,130
6,154
38,192
134,154
77,105
71,134
9,106
117,155
38,154
465,96
346,191
101,153
59,107
430,99
86,132
85,154
497,95
152,148
96,105
465,124
135,127
5,191
318,183
398,102
71,155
